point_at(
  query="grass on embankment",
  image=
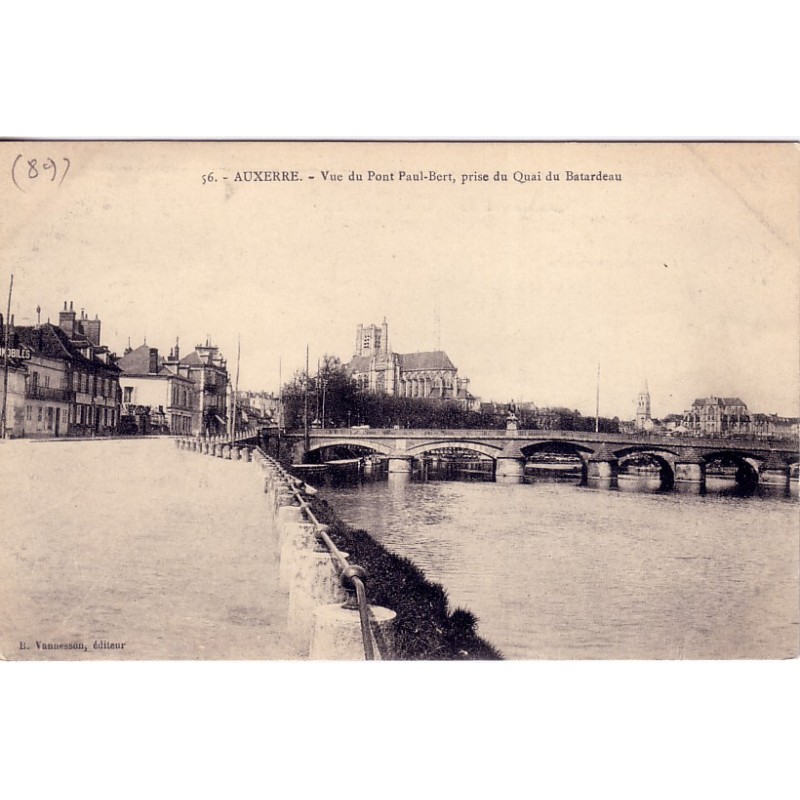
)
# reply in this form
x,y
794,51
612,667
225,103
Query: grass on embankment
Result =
x,y
425,628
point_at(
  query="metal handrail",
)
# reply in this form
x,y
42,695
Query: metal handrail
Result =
x,y
348,573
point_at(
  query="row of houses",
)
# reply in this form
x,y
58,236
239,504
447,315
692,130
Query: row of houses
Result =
x,y
62,381
713,416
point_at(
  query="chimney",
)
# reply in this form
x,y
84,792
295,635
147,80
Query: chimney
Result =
x,y
177,349
153,368
66,320
91,329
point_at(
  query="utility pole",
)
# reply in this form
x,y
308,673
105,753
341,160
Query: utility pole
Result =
x,y
236,387
5,361
597,407
280,403
305,407
316,391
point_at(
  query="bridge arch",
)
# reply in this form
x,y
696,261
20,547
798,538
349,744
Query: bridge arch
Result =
x,y
639,456
557,446
363,444
745,463
475,447
571,454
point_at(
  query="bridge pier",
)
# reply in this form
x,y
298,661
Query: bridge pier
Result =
x,y
400,469
690,475
509,469
774,475
602,469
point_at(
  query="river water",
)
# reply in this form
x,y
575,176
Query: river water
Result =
x,y
560,571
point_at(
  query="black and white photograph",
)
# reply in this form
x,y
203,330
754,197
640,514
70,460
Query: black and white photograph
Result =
x,y
399,401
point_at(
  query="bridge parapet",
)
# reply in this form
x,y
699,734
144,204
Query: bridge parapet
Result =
x,y
693,452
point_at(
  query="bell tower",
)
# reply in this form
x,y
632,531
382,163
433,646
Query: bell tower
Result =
x,y
643,419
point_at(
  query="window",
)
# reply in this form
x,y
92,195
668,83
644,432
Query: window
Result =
x,y
49,418
29,413
46,381
128,394
39,414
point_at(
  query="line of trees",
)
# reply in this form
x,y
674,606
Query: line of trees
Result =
x,y
335,401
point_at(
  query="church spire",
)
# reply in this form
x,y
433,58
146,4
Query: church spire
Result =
x,y
643,418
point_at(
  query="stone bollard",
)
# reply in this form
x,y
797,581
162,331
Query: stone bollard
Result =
x,y
314,581
298,537
236,453
282,498
226,452
247,454
337,633
287,515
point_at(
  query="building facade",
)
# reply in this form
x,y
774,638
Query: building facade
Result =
x,y
717,416
261,406
206,368
155,396
431,375
15,408
71,381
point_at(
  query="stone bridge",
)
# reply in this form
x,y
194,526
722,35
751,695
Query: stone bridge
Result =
x,y
682,459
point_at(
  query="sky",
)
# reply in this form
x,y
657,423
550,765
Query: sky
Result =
x,y
684,274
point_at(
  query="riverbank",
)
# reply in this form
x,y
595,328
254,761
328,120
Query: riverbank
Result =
x,y
426,628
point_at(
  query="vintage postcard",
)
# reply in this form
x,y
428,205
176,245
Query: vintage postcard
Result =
x,y
399,401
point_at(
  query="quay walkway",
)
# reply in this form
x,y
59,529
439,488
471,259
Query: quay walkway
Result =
x,y
136,550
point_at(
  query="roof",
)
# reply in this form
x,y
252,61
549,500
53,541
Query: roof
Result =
x,y
193,359
137,362
49,341
718,401
436,359
408,362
